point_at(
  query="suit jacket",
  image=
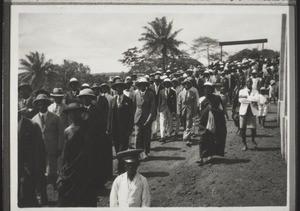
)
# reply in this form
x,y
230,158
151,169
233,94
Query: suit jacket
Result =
x,y
144,106
199,86
156,95
64,117
244,99
96,119
102,104
52,133
120,119
165,101
187,105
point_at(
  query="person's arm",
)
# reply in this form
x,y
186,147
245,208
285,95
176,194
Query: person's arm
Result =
x,y
179,105
243,98
146,198
113,198
60,131
152,109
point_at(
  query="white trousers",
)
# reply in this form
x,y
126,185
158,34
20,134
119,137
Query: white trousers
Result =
x,y
155,125
166,122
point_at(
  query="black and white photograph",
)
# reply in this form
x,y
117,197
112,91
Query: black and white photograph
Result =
x,y
161,106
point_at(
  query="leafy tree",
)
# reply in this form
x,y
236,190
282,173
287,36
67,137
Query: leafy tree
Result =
x,y
254,54
160,40
206,47
39,72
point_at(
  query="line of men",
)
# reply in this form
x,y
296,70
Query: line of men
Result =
x,y
113,112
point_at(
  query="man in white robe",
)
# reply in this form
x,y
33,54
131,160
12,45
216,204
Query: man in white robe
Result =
x,y
130,189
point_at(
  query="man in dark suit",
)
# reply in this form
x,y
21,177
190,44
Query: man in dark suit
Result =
x,y
71,95
120,120
145,112
31,160
97,125
166,108
26,101
156,88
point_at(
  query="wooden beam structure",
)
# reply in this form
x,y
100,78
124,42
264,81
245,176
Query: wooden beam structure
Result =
x,y
243,42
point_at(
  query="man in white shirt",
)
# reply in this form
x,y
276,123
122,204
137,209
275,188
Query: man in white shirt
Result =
x,y
248,97
130,189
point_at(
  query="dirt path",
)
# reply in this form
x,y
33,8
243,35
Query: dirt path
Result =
x,y
252,178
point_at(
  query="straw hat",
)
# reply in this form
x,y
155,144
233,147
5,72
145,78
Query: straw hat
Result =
x,y
73,81
57,92
42,98
142,80
85,86
95,86
167,81
157,73
86,93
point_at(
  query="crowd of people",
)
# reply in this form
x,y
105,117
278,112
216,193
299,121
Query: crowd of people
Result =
x,y
65,139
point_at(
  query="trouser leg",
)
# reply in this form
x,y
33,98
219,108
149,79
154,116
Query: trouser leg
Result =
x,y
188,129
177,123
162,123
170,122
147,138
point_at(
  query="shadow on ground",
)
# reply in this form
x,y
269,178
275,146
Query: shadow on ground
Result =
x,y
166,158
226,161
158,149
266,149
154,174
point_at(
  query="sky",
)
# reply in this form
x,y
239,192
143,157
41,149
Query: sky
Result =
x,y
99,39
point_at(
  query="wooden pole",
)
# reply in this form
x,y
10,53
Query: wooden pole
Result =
x,y
221,54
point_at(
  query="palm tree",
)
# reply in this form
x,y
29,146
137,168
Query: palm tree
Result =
x,y
160,40
38,71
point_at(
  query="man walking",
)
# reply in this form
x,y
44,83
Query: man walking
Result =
x,y
167,108
187,109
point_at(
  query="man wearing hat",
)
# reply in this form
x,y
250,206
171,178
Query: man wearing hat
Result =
x,y
52,130
100,101
71,95
85,86
212,124
248,97
78,180
129,90
120,120
156,88
255,80
187,109
145,113
130,189
97,123
58,106
31,161
273,91
26,101
166,108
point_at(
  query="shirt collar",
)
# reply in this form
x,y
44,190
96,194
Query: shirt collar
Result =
x,y
43,114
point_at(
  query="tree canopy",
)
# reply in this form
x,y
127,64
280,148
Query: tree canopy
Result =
x,y
254,54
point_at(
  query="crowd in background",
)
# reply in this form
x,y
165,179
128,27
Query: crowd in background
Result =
x,y
66,137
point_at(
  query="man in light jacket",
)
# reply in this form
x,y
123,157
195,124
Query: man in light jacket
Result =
x,y
248,97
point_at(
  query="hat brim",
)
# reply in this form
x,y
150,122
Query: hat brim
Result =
x,y
104,85
186,82
167,82
48,101
118,84
140,83
73,82
86,95
57,95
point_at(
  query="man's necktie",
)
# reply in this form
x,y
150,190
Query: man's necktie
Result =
x,y
56,108
43,121
119,101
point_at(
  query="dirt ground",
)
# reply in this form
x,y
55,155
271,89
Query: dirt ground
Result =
x,y
251,178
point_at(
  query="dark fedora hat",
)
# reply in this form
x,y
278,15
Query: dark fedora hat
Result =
x,y
73,106
130,155
95,86
104,85
42,98
118,82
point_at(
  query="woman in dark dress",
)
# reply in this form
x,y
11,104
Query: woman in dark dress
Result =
x,y
212,126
